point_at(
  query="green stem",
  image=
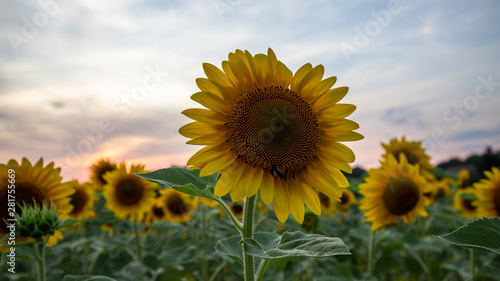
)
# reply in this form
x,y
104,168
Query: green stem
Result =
x,y
85,248
420,261
203,258
39,251
139,252
471,260
248,216
371,246
217,270
262,268
230,214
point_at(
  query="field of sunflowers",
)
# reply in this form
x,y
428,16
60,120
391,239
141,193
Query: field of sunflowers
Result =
x,y
270,196
170,235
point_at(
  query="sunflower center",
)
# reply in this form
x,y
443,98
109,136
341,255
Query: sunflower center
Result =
x,y
345,199
176,205
401,196
158,212
274,128
128,191
467,204
237,209
78,199
108,167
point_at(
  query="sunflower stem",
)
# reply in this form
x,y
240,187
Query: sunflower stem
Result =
x,y
203,258
262,268
248,216
85,248
39,251
139,252
230,214
471,260
371,246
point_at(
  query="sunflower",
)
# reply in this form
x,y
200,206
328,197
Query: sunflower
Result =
x,y
97,171
463,202
346,200
82,200
392,191
33,182
127,194
463,178
327,204
237,210
488,194
176,205
270,131
413,151
156,211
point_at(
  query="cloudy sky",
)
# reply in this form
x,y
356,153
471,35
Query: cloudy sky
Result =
x,y
84,79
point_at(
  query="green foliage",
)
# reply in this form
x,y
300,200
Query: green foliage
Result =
x,y
483,234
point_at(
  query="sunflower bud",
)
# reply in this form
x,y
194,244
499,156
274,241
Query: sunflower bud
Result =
x,y
36,222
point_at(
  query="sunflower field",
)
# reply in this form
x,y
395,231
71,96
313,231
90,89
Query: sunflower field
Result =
x,y
271,195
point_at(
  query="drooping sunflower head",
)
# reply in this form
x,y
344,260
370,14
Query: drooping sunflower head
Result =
x,y
488,194
98,169
463,178
464,200
395,190
176,205
270,131
413,151
128,195
82,200
32,183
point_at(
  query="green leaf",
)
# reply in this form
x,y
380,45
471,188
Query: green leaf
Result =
x,y
87,278
184,180
481,234
67,222
296,244
231,247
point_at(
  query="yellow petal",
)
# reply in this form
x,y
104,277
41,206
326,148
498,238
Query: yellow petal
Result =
x,y
215,74
218,165
211,101
296,202
299,75
267,188
254,185
205,116
330,98
309,196
208,153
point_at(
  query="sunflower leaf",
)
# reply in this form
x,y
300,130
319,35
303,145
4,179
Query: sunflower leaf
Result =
x,y
184,180
293,244
483,234
231,247
67,222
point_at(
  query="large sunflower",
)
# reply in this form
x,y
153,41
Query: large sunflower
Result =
x,y
414,152
97,171
33,182
392,191
82,200
270,131
176,205
488,194
127,194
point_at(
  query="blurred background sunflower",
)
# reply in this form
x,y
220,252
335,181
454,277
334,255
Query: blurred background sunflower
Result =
x,y
98,169
463,202
128,195
82,200
395,190
176,205
488,194
413,151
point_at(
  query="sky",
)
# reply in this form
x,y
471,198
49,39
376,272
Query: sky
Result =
x,y
81,80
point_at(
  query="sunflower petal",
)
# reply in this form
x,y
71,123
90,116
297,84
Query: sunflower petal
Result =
x,y
267,188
